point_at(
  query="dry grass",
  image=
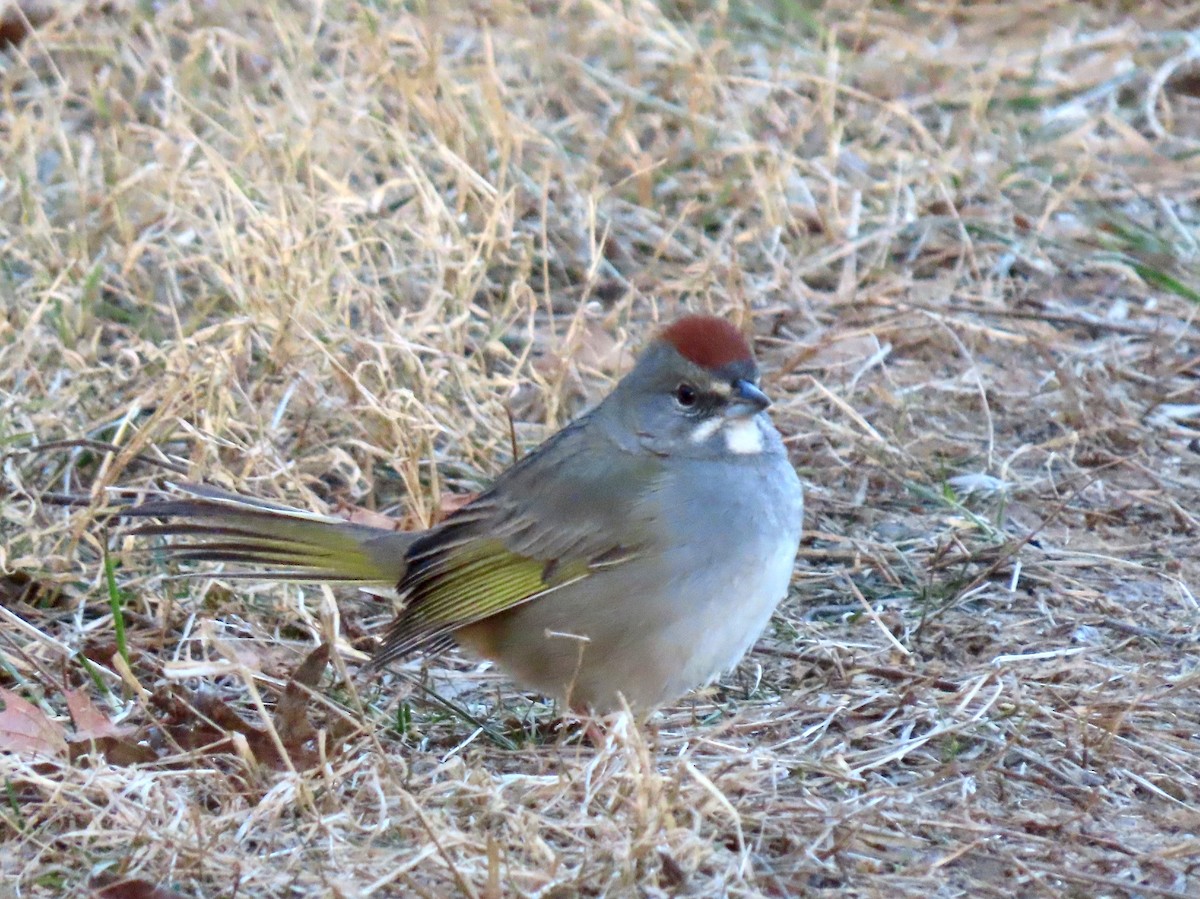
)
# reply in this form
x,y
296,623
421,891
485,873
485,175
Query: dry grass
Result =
x,y
315,252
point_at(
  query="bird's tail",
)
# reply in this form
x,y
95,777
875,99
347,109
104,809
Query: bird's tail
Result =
x,y
272,542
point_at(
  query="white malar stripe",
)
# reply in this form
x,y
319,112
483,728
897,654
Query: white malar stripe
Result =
x,y
706,429
743,437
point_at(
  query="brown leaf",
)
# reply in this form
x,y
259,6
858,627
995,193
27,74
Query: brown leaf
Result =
x,y
183,723
118,751
24,729
448,504
90,722
18,19
370,518
198,721
134,889
95,732
203,722
100,652
17,587
291,717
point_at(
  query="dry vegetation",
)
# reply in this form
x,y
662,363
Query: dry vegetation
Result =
x,y
320,253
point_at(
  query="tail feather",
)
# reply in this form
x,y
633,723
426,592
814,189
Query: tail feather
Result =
x,y
210,525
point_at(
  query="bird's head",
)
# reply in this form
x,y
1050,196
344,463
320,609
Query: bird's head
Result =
x,y
694,391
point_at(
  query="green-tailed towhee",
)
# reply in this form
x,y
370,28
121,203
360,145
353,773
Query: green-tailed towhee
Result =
x,y
638,552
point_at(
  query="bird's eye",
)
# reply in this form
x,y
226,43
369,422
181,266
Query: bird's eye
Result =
x,y
685,395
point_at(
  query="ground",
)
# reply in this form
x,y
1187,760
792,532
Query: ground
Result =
x,y
348,256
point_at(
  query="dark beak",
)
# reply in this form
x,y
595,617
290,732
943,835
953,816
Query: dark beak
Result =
x,y
746,400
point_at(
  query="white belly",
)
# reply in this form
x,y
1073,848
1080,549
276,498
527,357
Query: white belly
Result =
x,y
717,633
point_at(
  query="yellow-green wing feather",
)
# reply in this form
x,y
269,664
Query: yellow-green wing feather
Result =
x,y
470,582
573,507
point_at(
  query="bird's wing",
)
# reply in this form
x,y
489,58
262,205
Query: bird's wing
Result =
x,y
575,506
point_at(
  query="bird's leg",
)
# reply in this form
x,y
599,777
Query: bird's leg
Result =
x,y
580,710
591,726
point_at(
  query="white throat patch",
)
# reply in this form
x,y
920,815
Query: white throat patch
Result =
x,y
743,436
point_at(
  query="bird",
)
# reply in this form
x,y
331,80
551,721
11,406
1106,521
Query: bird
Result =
x,y
632,557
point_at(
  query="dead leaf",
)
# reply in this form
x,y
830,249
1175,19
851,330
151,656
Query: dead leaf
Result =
x,y
204,722
291,717
17,20
448,504
24,729
90,723
228,722
134,889
17,587
370,518
95,732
